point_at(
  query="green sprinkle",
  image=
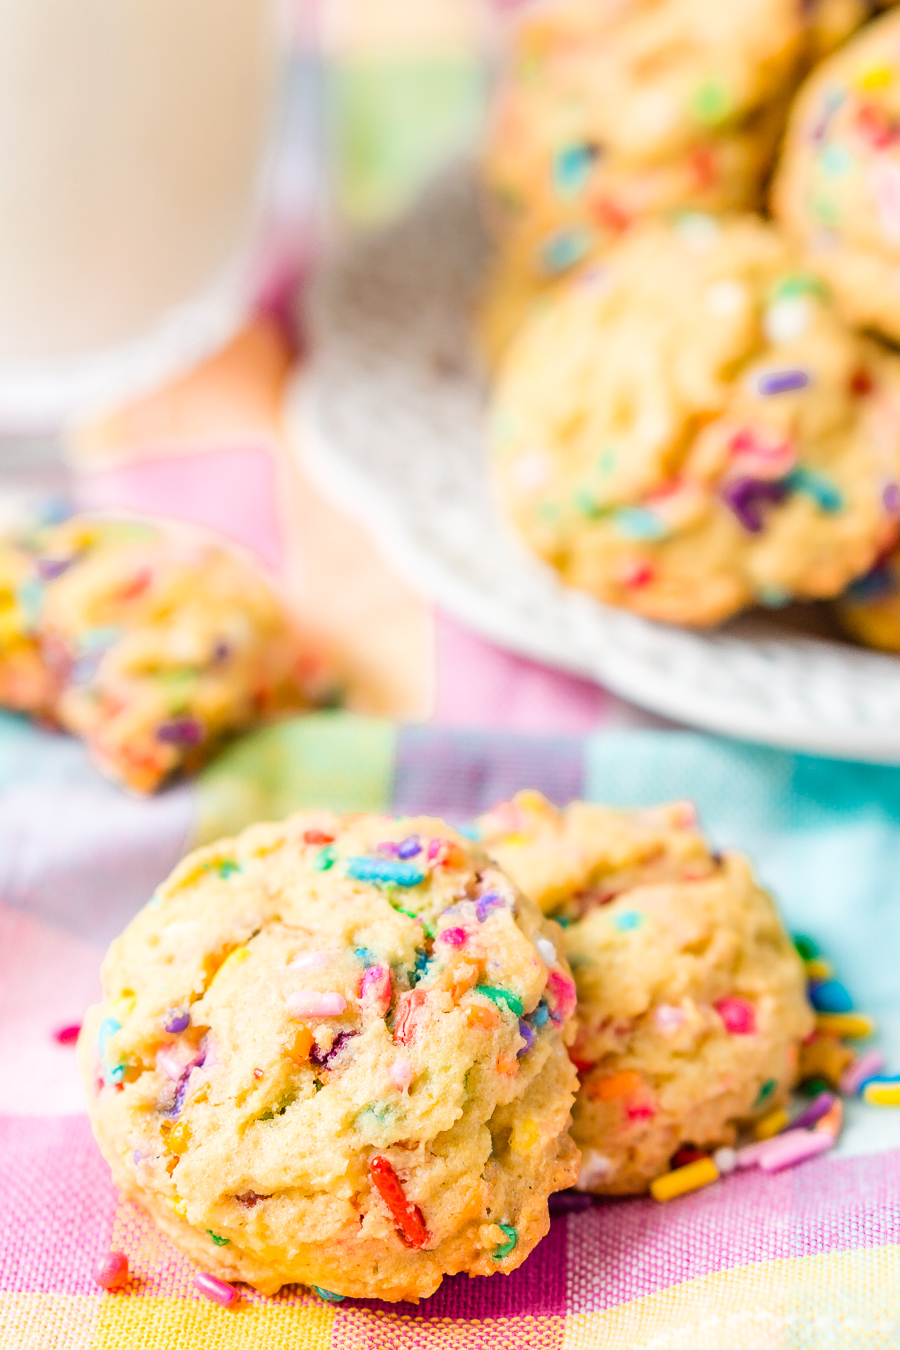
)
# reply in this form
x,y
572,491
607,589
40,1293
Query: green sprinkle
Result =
x,y
825,211
503,996
512,1241
799,283
711,102
811,1087
219,1241
773,597
807,947
766,1091
228,868
836,160
324,859
606,462
327,1295
585,503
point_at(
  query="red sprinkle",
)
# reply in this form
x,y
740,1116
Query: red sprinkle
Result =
x,y
703,166
405,1025
610,215
875,126
218,1291
636,574
688,1153
317,837
67,1035
861,383
738,1015
111,1271
407,1217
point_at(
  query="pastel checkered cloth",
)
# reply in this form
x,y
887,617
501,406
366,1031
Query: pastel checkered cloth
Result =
x,y
809,1258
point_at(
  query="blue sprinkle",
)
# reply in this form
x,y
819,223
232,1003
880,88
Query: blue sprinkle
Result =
x,y
112,1073
565,249
638,523
875,584
30,595
365,957
836,160
773,597
410,847
830,996
782,381
572,168
385,872
627,920
328,1296
470,831
98,639
84,668
540,1016
419,969
815,485
54,510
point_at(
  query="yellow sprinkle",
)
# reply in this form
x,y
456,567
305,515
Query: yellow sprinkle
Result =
x,y
771,1124
852,1024
525,1137
516,840
819,969
882,1094
684,1179
876,77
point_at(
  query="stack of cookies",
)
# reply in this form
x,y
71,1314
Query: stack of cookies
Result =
x,y
695,406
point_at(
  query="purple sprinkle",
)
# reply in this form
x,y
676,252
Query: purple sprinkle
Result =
x,y
324,1058
181,731
891,498
84,668
176,1021
570,1202
410,847
221,651
387,849
487,902
527,1036
818,1107
745,496
50,568
782,381
137,1157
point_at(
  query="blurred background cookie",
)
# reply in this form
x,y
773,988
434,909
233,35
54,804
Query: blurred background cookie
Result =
x,y
694,428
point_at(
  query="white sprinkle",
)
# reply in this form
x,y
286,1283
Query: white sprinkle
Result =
x,y
531,470
309,1003
668,1017
594,1168
725,1159
697,230
547,951
171,1066
787,319
309,961
726,298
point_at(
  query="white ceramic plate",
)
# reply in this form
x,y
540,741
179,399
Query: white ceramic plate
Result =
x,y
389,420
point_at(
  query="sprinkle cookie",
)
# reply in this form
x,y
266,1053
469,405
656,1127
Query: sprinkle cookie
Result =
x,y
611,113
332,1051
837,190
691,1004
151,641
692,428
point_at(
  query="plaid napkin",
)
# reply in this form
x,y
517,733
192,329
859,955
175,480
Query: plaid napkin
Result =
x,y
806,1258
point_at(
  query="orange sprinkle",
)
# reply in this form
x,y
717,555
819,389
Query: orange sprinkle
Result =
x,y
507,1066
615,1085
479,1016
298,1052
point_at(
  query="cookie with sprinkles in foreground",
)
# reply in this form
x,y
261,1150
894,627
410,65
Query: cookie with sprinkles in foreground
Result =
x,y
837,190
151,640
332,1051
693,428
691,997
611,113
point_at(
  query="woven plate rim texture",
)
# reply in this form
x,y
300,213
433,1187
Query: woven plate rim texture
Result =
x,y
388,420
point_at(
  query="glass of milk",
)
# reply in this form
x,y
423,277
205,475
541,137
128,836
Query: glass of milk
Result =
x,y
134,140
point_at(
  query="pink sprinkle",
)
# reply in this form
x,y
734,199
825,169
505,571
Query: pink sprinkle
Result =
x,y
400,1074
866,1066
111,1271
67,1035
309,961
792,1147
454,937
738,1015
640,1111
170,1064
218,1291
309,1003
563,991
749,1155
434,848
375,989
668,1018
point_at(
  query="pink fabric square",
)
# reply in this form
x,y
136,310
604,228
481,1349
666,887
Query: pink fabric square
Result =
x,y
232,489
480,685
